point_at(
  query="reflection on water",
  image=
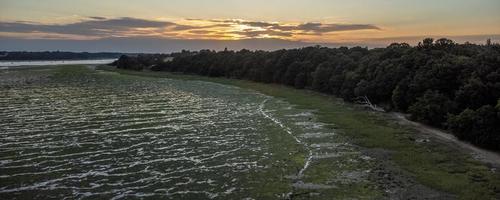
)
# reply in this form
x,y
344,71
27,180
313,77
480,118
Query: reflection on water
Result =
x,y
11,64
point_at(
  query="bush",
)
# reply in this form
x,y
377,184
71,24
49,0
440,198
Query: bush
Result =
x,y
480,127
432,108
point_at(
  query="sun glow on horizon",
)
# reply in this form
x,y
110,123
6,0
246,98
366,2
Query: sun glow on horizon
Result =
x,y
324,21
206,29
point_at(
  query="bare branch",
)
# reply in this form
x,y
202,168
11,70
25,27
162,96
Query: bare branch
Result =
x,y
366,102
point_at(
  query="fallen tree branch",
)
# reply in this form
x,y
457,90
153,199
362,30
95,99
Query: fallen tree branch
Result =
x,y
367,103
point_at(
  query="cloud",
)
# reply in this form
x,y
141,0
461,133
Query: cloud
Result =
x,y
97,18
258,24
201,31
280,29
263,33
95,27
325,28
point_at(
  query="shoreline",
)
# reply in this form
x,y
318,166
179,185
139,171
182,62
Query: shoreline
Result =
x,y
436,166
486,156
5,65
406,163
490,157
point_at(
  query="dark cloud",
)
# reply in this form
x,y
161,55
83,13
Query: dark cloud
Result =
x,y
94,27
232,21
98,18
325,28
242,22
216,26
311,27
320,28
258,24
258,33
101,27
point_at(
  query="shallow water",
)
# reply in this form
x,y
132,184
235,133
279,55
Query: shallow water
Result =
x,y
110,136
18,63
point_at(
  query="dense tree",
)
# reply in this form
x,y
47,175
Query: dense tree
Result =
x,y
321,77
399,96
432,108
473,94
127,62
479,126
426,43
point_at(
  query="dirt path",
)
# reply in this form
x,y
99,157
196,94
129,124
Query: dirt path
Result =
x,y
486,156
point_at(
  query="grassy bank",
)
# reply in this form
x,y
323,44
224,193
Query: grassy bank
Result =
x,y
432,163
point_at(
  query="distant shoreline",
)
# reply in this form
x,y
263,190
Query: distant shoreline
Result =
x,y
27,63
45,60
55,56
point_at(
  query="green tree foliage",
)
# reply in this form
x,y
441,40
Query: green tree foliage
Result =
x,y
438,82
479,126
426,43
141,61
399,95
432,108
127,62
321,77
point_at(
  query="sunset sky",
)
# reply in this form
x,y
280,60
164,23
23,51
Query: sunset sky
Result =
x,y
178,22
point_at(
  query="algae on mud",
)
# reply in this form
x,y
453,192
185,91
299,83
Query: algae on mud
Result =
x,y
80,133
403,167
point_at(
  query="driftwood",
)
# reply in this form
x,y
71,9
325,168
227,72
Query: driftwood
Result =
x,y
367,103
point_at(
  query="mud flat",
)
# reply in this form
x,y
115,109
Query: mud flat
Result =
x,y
395,160
74,132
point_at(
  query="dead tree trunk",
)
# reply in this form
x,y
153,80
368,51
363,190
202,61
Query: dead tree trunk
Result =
x,y
366,102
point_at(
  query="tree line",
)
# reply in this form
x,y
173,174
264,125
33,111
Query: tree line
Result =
x,y
440,83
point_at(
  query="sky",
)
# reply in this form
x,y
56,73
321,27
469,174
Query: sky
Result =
x,y
171,25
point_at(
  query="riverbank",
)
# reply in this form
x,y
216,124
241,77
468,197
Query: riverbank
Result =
x,y
491,158
409,164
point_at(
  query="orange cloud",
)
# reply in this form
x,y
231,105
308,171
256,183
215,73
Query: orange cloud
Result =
x,y
218,29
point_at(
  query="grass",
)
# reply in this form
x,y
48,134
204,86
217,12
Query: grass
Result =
x,y
434,164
